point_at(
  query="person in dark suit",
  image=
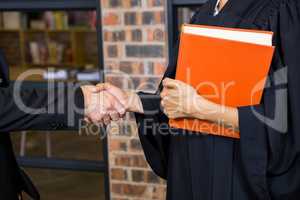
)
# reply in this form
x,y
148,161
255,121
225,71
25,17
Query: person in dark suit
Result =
x,y
96,107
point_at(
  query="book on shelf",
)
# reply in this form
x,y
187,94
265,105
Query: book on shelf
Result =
x,y
50,53
51,20
37,25
11,20
34,52
60,20
56,20
56,51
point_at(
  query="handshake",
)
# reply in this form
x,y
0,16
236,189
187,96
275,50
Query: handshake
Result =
x,y
105,103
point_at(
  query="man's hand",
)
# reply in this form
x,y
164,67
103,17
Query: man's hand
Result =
x,y
101,106
129,100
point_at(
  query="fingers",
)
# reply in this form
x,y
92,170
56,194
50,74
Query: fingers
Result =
x,y
119,94
115,91
176,85
110,107
116,106
106,119
167,80
106,103
164,93
171,88
114,116
96,118
101,87
171,83
171,114
163,103
169,98
170,106
86,119
169,103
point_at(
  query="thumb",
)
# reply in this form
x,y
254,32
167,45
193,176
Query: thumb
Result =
x,y
119,107
100,87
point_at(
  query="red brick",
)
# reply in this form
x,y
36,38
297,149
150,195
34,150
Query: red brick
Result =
x,y
155,3
129,190
133,43
117,188
118,174
138,175
152,178
111,19
156,35
159,193
132,3
134,190
159,68
131,161
135,145
117,145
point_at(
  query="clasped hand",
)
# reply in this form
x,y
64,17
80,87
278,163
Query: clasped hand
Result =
x,y
180,100
104,103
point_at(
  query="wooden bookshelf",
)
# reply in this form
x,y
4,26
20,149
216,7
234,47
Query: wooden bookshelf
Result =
x,y
73,39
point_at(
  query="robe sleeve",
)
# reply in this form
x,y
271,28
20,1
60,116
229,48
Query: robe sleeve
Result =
x,y
270,139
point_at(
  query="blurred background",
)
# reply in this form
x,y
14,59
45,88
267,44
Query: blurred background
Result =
x,y
66,42
63,40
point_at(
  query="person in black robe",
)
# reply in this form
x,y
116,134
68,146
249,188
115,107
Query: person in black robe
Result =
x,y
263,164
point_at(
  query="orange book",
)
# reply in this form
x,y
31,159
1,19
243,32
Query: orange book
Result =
x,y
227,66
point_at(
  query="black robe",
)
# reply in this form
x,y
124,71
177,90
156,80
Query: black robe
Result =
x,y
264,163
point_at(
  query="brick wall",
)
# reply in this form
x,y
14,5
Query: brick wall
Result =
x,y
135,58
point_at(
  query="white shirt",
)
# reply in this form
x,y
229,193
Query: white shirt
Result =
x,y
217,8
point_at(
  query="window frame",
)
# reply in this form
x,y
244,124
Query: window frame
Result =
x,y
172,16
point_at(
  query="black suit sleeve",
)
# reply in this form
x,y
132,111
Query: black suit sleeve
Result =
x,y
40,109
